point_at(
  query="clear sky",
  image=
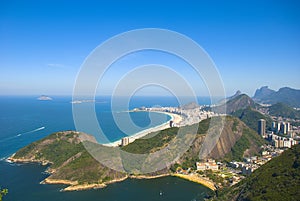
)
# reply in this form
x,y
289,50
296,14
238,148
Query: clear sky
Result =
x,y
44,43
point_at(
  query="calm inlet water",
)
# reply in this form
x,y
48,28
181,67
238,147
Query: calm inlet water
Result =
x,y
24,120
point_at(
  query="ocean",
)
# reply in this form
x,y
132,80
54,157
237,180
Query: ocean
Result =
x,y
25,119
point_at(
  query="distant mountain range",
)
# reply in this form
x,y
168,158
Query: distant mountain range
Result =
x,y
285,95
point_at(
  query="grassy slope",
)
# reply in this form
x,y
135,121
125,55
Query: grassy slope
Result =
x,y
251,116
233,147
283,110
149,145
60,147
73,162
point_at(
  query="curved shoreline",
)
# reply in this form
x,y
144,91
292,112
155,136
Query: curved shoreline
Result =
x,y
75,186
174,117
196,179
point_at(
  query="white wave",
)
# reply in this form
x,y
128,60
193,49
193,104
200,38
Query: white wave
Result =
x,y
20,134
32,131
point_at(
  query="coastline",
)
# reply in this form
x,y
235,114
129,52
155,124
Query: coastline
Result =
x,y
11,159
149,177
75,186
196,179
174,117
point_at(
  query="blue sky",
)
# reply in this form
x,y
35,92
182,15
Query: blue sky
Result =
x,y
44,43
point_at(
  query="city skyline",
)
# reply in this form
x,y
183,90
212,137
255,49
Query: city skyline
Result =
x,y
43,44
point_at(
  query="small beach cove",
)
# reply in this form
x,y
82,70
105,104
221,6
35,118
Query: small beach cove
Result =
x,y
27,178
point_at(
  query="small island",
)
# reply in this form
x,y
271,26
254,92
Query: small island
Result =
x,y
44,98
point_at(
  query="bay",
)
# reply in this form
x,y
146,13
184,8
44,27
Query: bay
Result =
x,y
25,119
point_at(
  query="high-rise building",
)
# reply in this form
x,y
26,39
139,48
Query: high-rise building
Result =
x,y
125,141
288,126
278,127
262,127
284,128
274,126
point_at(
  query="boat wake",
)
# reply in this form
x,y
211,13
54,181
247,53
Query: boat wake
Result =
x,y
20,134
32,131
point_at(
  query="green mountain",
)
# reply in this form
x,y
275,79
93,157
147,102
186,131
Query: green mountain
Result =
x,y
279,179
68,160
236,141
285,95
283,110
250,117
239,102
237,93
244,108
70,163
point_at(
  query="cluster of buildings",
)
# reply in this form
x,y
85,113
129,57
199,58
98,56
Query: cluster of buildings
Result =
x,y
275,135
209,164
281,142
249,164
189,116
277,128
246,167
281,127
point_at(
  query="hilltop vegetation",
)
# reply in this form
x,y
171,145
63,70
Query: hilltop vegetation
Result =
x,y
69,161
251,116
279,179
283,110
236,140
151,144
236,103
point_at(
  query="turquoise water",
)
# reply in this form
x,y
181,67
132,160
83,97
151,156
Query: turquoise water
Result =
x,y
24,120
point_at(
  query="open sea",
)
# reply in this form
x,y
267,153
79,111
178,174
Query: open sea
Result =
x,y
25,119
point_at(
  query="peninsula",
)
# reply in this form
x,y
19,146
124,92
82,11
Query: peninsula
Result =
x,y
239,150
69,163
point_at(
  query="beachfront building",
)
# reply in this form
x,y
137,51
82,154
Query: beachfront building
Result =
x,y
208,165
125,141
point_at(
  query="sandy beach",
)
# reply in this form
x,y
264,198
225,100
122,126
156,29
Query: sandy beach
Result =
x,y
174,117
197,179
